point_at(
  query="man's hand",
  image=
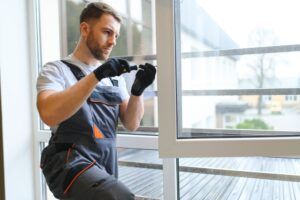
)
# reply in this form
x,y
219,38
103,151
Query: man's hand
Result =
x,y
112,67
143,78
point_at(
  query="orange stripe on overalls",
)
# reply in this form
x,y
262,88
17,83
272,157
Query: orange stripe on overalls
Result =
x,y
97,133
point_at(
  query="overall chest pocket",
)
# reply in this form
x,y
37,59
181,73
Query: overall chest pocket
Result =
x,y
108,95
104,103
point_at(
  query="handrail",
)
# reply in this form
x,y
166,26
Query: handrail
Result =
x,y
205,133
223,52
218,171
232,92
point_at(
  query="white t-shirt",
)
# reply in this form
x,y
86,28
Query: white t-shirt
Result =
x,y
57,76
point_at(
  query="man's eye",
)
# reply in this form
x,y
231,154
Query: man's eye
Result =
x,y
106,32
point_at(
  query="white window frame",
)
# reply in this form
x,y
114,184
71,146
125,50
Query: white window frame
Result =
x,y
33,17
172,147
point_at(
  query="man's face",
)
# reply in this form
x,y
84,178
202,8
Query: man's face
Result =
x,y
103,36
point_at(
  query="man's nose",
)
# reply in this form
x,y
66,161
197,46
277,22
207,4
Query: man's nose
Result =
x,y
112,40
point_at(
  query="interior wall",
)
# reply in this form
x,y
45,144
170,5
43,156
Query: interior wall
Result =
x,y
16,101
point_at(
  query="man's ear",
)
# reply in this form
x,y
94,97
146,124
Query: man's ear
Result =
x,y
84,29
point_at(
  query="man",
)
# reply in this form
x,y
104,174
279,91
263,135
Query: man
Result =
x,y
81,100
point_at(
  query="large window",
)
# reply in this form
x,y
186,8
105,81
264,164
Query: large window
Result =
x,y
228,86
228,67
247,72
231,80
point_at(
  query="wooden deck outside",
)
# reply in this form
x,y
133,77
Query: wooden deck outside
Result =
x,y
256,178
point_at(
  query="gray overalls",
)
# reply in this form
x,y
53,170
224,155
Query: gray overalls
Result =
x,y
80,162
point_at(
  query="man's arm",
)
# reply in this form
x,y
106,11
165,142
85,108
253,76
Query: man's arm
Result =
x,y
55,107
131,112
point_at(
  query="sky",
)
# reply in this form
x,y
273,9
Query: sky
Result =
x,y
239,17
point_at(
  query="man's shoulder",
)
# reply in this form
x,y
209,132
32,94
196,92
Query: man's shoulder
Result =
x,y
55,69
55,65
59,62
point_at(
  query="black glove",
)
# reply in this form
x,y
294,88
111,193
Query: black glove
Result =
x,y
112,67
143,78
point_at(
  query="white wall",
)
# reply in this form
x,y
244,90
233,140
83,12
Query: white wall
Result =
x,y
16,100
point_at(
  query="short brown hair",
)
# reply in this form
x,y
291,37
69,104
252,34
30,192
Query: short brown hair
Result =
x,y
96,9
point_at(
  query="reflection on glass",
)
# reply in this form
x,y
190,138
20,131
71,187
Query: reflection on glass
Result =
x,y
241,89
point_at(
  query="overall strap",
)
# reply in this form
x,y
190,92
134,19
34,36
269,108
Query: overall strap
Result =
x,y
75,70
79,74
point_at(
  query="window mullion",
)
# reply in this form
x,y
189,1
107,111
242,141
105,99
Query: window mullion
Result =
x,y
170,179
166,79
230,92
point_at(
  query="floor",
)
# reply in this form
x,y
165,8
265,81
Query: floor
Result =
x,y
254,178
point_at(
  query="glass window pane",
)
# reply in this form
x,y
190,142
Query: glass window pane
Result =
x,y
218,24
239,178
227,88
122,42
251,112
73,9
141,172
270,70
49,30
136,36
136,9
119,5
137,39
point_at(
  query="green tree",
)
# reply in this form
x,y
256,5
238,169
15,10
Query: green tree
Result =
x,y
253,124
